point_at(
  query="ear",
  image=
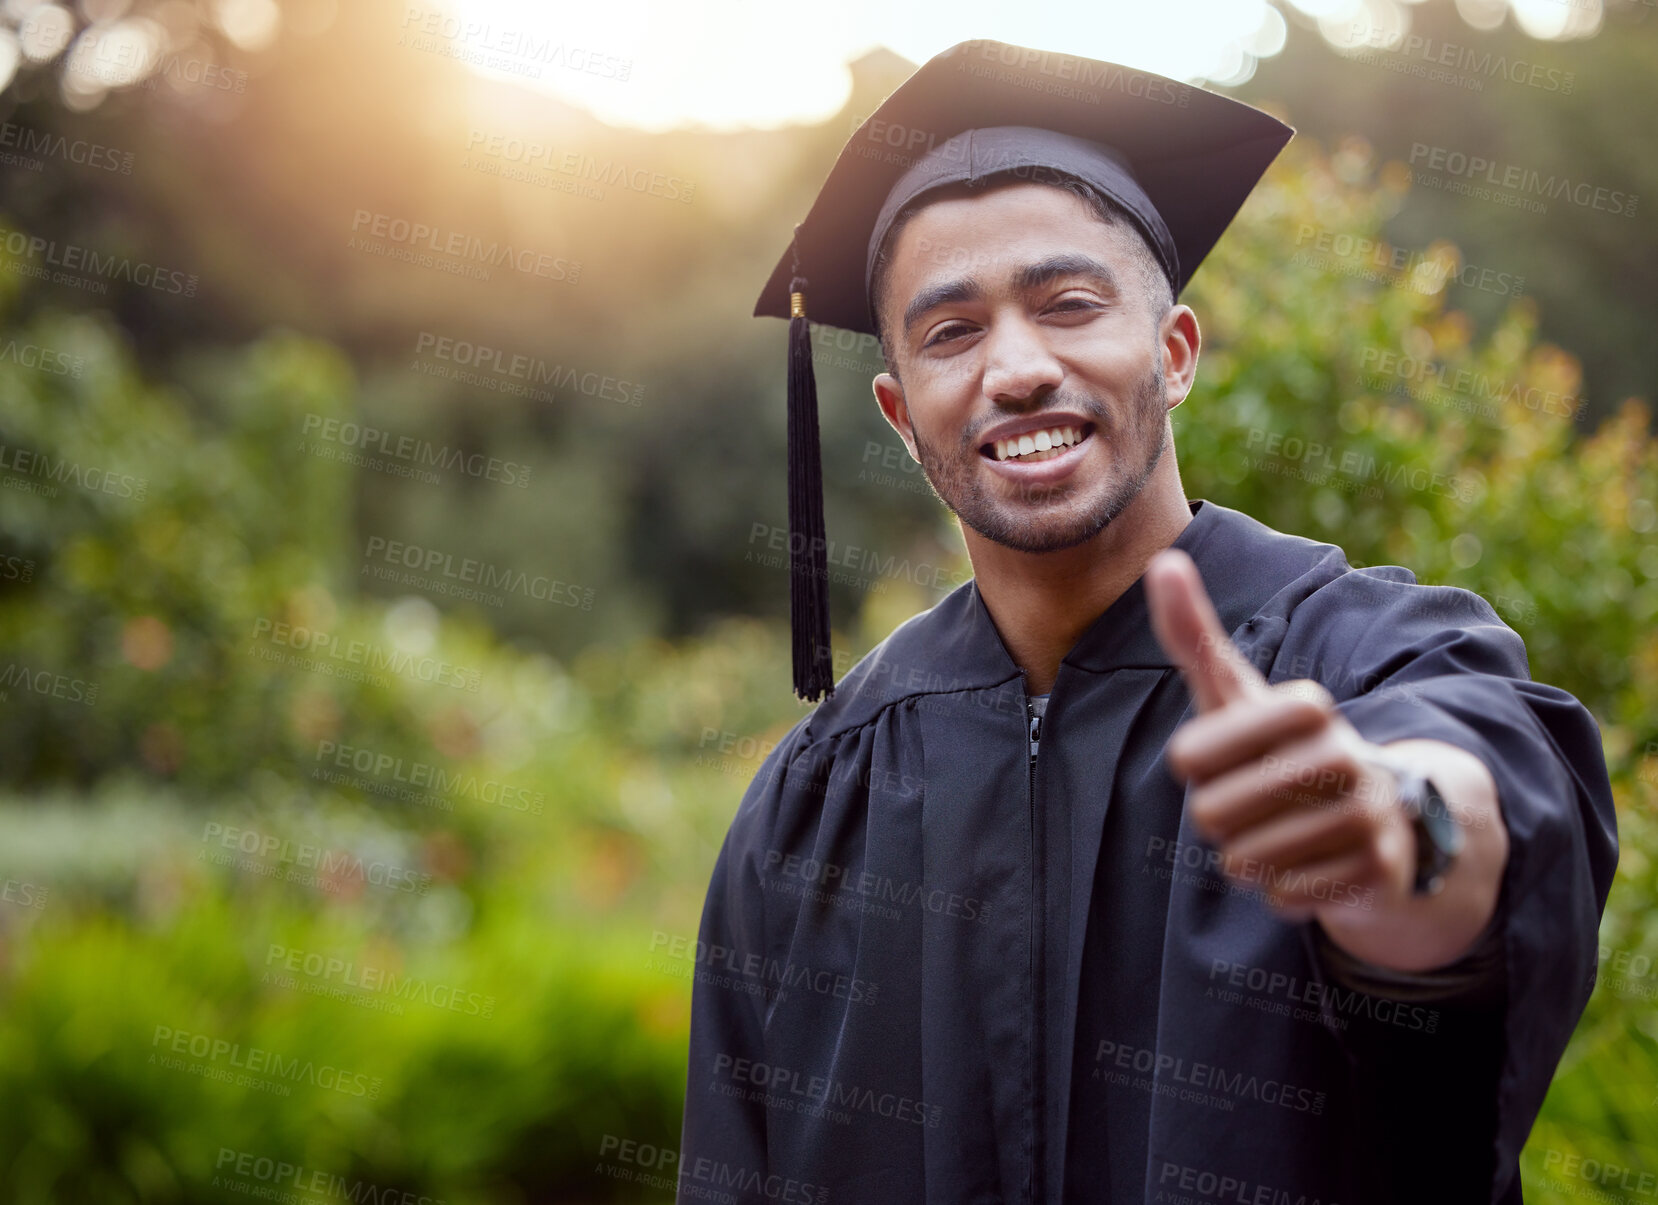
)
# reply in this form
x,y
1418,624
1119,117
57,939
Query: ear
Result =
x,y
889,395
1179,340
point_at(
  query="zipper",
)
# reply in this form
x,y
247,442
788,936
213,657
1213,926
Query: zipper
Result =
x,y
1038,940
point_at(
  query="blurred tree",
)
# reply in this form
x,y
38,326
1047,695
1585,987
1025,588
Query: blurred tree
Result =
x,y
1339,397
1554,110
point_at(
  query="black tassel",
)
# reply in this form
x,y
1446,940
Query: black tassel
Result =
x,y
808,546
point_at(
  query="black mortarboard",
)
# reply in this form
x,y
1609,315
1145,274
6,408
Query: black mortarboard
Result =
x,y
1179,159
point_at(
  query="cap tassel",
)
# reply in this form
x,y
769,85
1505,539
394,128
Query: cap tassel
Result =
x,y
808,545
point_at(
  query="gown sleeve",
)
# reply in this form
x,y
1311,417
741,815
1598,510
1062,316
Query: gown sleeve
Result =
x,y
1407,661
1477,976
723,1138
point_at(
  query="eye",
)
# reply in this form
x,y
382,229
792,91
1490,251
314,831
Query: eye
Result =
x,y
948,332
1071,305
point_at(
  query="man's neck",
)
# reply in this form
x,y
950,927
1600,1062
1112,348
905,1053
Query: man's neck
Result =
x,y
1043,602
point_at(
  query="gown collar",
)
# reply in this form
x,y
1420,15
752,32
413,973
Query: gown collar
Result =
x,y
1121,637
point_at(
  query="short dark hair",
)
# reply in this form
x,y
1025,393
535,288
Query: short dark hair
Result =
x,y
1107,210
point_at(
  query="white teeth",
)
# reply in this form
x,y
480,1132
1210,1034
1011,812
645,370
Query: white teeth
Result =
x,y
1037,441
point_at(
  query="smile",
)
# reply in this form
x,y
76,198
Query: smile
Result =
x,y
1035,446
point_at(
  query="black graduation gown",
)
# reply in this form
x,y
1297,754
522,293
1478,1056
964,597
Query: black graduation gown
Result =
x,y
908,915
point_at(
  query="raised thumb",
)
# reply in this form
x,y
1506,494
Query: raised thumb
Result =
x,y
1186,625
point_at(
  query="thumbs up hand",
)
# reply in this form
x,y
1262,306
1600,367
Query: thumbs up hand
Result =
x,y
1282,785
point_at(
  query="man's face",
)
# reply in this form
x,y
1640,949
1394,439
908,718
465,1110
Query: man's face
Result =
x,y
1017,313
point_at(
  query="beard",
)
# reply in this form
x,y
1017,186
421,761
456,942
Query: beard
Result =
x,y
1051,518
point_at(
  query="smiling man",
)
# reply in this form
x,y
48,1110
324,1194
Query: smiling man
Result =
x,y
1170,858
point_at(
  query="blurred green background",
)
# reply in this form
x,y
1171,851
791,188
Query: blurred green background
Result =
x,y
353,816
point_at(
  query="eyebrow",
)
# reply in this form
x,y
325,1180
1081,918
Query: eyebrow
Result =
x,y
1031,276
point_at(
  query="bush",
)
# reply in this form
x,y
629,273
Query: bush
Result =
x,y
562,820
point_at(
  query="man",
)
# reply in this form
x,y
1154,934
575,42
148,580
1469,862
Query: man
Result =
x,y
1170,858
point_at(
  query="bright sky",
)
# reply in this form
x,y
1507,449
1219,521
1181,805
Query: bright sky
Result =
x,y
727,64
734,63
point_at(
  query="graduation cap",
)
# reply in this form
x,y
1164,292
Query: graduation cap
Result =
x,y
1179,160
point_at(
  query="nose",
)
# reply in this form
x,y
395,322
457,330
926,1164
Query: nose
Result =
x,y
1019,367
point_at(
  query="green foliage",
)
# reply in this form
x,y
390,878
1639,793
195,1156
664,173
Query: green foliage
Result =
x,y
563,818
508,1061
157,539
1464,467
1362,411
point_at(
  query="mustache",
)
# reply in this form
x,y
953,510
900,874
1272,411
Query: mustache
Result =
x,y
1076,404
